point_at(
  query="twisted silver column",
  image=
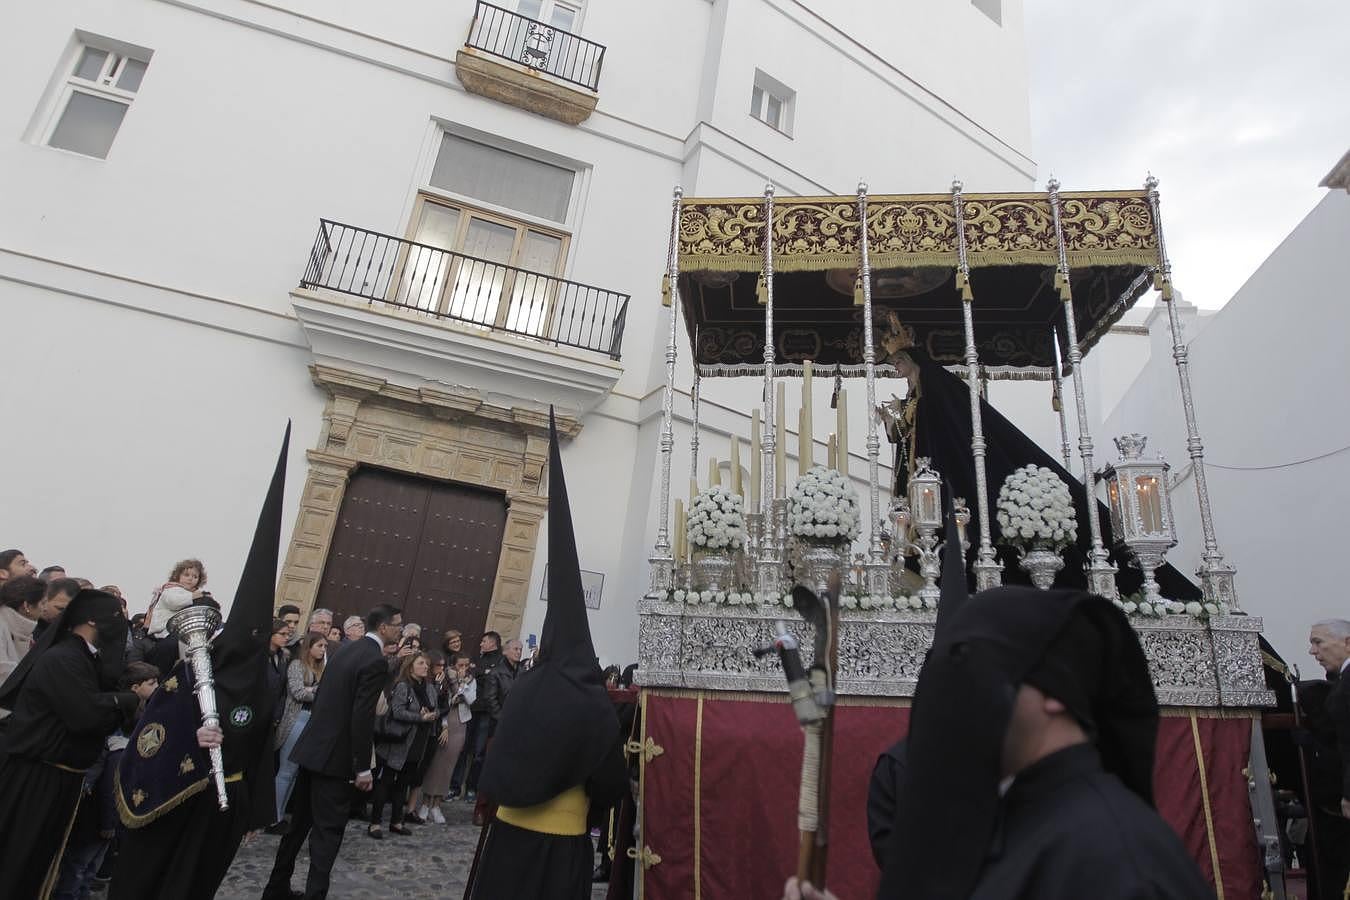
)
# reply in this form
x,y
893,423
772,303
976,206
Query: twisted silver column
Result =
x,y
1101,574
988,571
767,569
662,562
1216,576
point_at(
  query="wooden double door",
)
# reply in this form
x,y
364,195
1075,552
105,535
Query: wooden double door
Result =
x,y
427,547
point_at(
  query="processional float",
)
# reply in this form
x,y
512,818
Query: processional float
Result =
x,y
983,287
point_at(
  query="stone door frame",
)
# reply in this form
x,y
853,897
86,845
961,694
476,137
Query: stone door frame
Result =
x,y
438,432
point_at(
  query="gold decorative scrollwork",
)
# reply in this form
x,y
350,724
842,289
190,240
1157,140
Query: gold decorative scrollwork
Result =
x,y
908,231
644,856
150,740
649,749
186,766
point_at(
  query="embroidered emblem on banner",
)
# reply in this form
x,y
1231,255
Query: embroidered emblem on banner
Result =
x,y
186,766
150,740
240,716
138,797
171,685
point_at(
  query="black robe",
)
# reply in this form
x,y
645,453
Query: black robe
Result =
x,y
60,721
883,797
516,862
187,851
1068,829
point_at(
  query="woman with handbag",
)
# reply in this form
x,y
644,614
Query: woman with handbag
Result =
x,y
461,690
401,737
302,682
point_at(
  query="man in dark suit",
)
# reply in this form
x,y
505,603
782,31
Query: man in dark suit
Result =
x,y
334,752
1329,644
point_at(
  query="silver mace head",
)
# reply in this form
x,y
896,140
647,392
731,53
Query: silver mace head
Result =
x,y
195,625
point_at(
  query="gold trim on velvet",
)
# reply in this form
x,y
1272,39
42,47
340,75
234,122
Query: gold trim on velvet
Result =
x,y
1197,712
770,697
641,817
1101,228
1209,813
649,749
132,820
698,799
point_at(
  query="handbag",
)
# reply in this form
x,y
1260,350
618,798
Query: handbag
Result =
x,y
387,728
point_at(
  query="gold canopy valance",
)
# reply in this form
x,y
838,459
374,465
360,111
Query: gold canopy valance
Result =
x,y
1103,228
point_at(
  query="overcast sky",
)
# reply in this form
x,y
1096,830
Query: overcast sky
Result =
x,y
1239,108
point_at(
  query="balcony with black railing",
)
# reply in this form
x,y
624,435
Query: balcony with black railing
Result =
x,y
531,64
467,291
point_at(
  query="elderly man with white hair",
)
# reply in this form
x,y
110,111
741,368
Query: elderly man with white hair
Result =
x,y
1329,644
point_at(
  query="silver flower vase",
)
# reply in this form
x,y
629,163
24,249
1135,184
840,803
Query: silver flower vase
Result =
x,y
816,559
1042,564
712,570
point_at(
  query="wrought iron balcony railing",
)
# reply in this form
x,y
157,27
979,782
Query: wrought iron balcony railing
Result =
x,y
454,286
508,35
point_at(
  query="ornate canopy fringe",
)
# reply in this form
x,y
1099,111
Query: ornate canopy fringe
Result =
x,y
1111,243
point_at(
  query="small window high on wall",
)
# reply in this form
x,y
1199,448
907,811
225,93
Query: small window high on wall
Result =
x,y
98,87
772,103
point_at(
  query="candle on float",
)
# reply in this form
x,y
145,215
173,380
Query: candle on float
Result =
x,y
714,473
841,433
780,446
756,452
803,444
736,486
1150,511
693,488
679,530
808,425
831,459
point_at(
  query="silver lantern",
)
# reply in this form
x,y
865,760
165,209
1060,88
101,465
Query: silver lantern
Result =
x,y
1141,508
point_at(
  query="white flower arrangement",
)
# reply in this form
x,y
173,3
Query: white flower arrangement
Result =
x,y
1134,605
824,505
720,598
1035,510
873,601
716,520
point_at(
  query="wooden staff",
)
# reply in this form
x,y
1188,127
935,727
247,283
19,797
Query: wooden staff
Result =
x,y
813,808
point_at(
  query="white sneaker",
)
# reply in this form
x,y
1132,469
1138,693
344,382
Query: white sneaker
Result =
x,y
422,812
437,816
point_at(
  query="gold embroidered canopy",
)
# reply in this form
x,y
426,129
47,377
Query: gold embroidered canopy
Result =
x,y
1110,242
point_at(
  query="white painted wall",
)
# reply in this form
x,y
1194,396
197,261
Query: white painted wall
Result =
x,y
255,120
1269,373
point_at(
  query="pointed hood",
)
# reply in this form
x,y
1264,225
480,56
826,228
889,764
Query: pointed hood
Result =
x,y
558,724
1073,646
89,605
243,640
566,638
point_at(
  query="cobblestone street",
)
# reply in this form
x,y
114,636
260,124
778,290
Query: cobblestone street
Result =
x,y
432,863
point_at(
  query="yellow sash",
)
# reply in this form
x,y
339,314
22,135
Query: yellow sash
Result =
x,y
562,815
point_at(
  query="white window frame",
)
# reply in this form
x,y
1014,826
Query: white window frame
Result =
x,y
767,87
570,225
546,12
104,86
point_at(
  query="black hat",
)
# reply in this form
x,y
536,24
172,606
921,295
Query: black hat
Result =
x,y
89,605
1074,646
559,723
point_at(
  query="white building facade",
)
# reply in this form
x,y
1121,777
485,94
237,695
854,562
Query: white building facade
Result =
x,y
409,230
